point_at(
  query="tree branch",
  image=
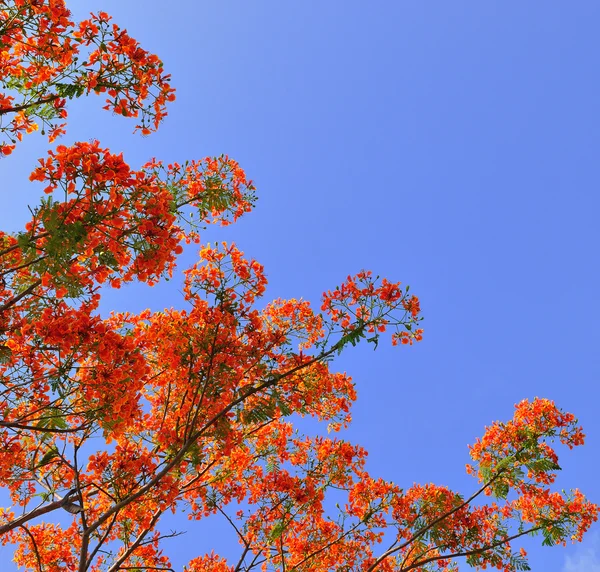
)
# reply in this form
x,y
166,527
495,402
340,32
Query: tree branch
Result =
x,y
193,438
471,552
35,513
117,565
35,548
24,106
14,300
423,530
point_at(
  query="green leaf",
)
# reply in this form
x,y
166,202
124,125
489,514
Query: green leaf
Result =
x,y
23,240
284,408
518,562
277,531
5,354
272,465
57,422
501,490
543,465
69,90
51,454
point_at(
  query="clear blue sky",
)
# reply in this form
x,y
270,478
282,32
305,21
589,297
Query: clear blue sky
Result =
x,y
451,145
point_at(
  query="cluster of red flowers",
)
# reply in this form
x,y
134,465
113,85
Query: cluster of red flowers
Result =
x,y
46,59
372,307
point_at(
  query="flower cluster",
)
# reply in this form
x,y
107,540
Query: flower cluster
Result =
x,y
47,58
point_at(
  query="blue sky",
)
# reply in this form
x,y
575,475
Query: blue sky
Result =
x,y
450,145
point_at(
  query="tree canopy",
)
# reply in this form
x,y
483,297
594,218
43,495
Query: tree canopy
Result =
x,y
107,423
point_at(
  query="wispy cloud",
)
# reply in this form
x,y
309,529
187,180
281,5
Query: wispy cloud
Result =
x,y
586,558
